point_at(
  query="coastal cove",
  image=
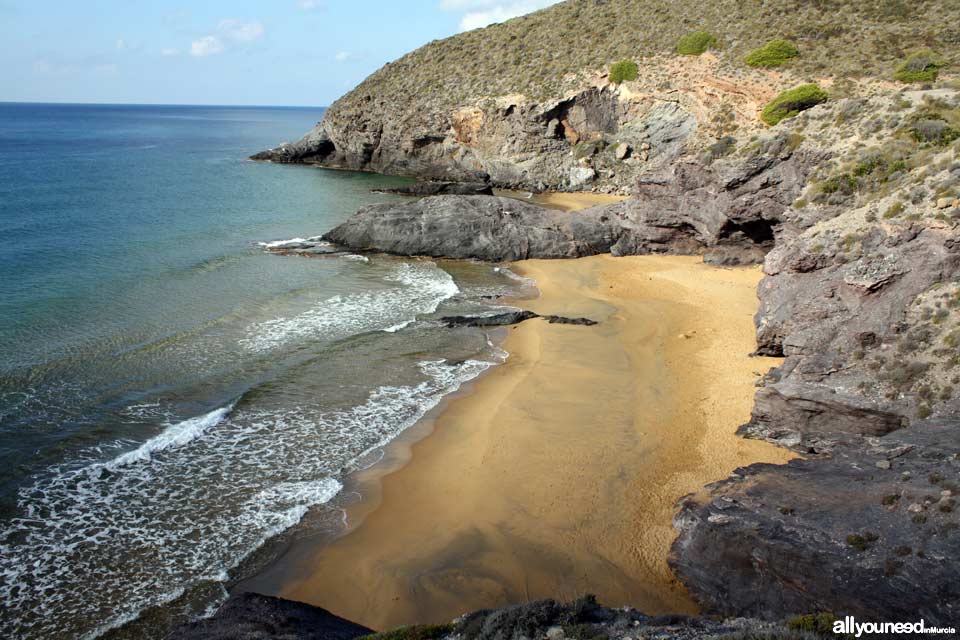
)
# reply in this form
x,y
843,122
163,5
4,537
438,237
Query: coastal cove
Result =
x,y
556,473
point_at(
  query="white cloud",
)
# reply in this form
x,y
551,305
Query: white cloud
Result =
x,y
342,56
230,32
309,5
169,52
206,46
239,31
121,44
480,13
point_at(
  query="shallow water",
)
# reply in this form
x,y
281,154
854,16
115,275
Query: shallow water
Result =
x,y
173,396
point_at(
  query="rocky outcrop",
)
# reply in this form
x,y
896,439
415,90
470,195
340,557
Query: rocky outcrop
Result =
x,y
846,332
481,227
872,531
728,211
424,188
536,620
510,318
862,297
250,616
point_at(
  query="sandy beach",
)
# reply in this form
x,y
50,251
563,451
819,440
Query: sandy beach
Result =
x,y
565,201
557,473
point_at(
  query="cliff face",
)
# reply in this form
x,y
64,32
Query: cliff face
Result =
x,y
862,296
528,103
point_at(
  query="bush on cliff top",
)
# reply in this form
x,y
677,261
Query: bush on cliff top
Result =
x,y
773,54
922,66
415,632
623,70
693,44
791,102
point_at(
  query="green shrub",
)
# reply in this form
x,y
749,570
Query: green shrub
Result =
x,y
813,622
416,632
934,130
623,70
893,210
791,102
773,54
922,66
693,44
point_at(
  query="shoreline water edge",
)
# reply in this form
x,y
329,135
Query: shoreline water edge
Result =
x,y
557,472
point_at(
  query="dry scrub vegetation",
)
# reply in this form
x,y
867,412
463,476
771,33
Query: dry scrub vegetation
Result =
x,y
540,54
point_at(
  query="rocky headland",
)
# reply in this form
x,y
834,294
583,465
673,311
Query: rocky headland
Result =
x,y
851,205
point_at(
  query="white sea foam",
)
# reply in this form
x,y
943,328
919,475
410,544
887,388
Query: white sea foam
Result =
x,y
99,543
422,287
175,435
400,325
280,244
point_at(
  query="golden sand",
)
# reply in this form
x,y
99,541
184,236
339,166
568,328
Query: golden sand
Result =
x,y
557,473
564,201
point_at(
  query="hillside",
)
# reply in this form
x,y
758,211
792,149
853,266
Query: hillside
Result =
x,y
540,55
528,103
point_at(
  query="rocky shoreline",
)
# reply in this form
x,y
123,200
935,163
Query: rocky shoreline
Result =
x,y
853,209
862,260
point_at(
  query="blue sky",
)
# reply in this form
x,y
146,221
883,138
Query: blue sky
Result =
x,y
265,52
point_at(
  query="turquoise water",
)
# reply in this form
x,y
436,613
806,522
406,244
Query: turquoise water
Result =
x,y
173,397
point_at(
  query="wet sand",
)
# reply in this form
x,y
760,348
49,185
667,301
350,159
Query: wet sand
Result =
x,y
557,473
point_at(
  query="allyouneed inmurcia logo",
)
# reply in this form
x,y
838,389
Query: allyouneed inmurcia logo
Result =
x,y
849,625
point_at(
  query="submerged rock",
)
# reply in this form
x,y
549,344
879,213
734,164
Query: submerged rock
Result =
x,y
510,317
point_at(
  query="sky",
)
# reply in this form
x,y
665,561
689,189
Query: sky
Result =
x,y
236,52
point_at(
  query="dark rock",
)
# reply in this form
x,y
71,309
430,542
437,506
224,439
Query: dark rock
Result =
x,y
860,533
250,616
584,618
509,318
825,321
253,617
437,188
731,208
495,320
528,145
728,211
482,227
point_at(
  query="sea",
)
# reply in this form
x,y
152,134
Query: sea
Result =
x,y
176,399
